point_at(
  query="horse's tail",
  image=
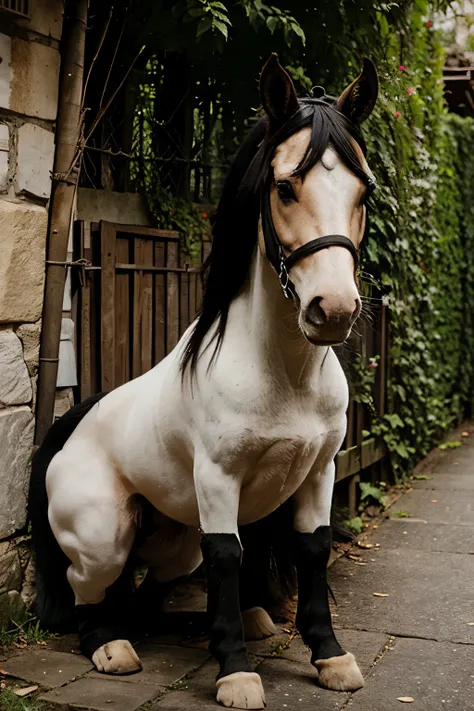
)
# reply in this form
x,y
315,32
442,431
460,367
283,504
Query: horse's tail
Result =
x,y
54,603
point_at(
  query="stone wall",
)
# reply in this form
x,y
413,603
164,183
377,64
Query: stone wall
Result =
x,y
29,76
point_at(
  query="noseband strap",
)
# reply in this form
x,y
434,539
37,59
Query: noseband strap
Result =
x,y
282,263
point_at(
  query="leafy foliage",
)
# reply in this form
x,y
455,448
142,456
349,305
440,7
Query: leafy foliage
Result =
x,y
420,250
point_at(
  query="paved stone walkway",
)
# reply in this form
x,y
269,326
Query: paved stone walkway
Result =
x,y
405,609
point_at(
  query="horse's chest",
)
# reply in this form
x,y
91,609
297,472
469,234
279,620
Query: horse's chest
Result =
x,y
273,465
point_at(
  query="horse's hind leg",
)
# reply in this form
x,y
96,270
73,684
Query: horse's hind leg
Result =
x,y
92,520
254,581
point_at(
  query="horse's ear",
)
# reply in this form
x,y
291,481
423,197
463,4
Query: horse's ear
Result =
x,y
358,100
277,92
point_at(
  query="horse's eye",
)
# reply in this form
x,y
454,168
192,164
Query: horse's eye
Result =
x,y
285,190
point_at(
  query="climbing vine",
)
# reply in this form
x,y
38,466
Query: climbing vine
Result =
x,y
420,248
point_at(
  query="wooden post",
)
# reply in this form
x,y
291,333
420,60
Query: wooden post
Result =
x,y
65,175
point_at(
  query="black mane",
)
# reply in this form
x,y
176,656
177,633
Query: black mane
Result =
x,y
235,229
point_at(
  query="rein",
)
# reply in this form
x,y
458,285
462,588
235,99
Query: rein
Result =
x,y
281,263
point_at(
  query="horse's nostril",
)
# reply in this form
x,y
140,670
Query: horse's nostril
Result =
x,y
356,311
315,313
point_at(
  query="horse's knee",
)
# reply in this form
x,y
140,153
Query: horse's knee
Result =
x,y
91,580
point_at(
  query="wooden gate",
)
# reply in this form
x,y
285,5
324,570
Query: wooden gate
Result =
x,y
134,303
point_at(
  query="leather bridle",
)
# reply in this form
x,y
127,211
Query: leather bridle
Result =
x,y
274,248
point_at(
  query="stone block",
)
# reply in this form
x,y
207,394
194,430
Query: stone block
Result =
x,y
10,569
35,161
5,70
63,401
67,372
12,607
102,695
22,254
15,385
30,334
46,667
16,437
46,18
4,152
436,676
30,76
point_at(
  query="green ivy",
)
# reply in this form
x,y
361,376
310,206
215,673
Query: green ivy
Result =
x,y
420,248
421,245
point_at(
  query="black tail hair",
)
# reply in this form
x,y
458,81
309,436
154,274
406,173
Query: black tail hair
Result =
x,y
54,605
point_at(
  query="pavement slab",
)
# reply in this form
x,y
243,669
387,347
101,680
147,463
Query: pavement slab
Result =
x,y
399,533
449,480
430,595
438,676
449,507
101,695
162,666
289,679
46,667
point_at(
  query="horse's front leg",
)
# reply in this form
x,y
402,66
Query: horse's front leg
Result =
x,y
218,497
311,549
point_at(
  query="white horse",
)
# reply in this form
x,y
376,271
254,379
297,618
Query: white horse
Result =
x,y
246,413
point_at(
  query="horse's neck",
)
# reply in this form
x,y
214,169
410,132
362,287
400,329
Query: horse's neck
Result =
x,y
271,320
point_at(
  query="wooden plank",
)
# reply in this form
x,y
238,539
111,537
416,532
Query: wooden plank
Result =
x,y
93,243
142,309
347,463
172,298
84,344
382,370
184,288
122,317
150,232
107,244
146,308
371,451
193,278
150,268
160,305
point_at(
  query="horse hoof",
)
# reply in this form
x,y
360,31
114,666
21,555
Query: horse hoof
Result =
x,y
241,690
339,673
117,657
257,624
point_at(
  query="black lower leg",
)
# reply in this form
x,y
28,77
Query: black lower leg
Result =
x,y
222,555
105,622
254,572
313,618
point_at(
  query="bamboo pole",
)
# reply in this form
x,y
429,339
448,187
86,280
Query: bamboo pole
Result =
x,y
65,176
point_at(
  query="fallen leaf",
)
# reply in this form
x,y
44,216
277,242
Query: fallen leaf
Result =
x,y
381,594
434,501
465,433
471,624
359,562
25,691
406,699
374,526
365,545
351,556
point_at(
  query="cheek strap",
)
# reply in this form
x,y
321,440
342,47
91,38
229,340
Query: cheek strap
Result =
x,y
283,264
